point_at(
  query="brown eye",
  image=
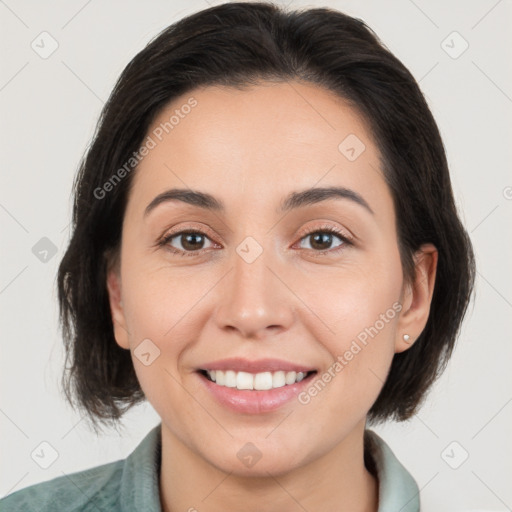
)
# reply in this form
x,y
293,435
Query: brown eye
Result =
x,y
189,242
192,241
322,240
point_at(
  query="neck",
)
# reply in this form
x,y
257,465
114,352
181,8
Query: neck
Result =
x,y
337,480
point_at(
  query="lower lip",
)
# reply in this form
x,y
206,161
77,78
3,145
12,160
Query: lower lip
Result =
x,y
254,402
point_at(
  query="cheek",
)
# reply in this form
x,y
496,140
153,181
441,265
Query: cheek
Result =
x,y
358,301
164,312
361,352
359,311
159,301
161,326
367,313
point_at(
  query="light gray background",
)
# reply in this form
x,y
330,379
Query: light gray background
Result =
x,y
49,109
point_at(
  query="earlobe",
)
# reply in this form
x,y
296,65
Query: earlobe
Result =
x,y
117,309
417,297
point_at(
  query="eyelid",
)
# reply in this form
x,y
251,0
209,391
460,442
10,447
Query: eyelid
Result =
x,y
201,228
344,233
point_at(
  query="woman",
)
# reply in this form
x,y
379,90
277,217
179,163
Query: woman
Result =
x,y
266,248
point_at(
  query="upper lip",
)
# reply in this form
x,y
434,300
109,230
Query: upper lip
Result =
x,y
239,364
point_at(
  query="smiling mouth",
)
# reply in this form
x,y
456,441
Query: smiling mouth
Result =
x,y
255,381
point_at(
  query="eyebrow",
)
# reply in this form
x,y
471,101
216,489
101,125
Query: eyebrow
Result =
x,y
292,201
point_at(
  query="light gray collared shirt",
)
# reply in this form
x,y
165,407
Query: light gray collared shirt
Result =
x,y
132,484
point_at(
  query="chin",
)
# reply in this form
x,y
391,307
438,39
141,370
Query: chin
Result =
x,y
258,459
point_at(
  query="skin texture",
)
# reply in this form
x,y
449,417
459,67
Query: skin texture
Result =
x,y
250,149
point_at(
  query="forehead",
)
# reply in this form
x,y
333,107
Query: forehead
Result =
x,y
259,141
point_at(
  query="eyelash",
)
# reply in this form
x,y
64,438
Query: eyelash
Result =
x,y
164,242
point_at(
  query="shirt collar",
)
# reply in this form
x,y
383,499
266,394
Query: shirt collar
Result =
x,y
140,486
398,491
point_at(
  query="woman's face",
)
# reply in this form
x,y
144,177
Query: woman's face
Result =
x,y
261,288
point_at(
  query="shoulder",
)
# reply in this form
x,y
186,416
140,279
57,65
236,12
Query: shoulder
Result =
x,y
127,484
95,489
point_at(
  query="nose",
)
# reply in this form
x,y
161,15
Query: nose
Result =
x,y
255,300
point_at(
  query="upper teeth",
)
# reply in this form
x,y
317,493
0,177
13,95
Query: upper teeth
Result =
x,y
258,381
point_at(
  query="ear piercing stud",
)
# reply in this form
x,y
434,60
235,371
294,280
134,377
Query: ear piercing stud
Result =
x,y
406,338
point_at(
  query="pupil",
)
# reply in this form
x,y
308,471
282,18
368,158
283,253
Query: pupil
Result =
x,y
326,237
193,244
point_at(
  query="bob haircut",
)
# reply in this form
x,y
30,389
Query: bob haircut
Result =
x,y
239,45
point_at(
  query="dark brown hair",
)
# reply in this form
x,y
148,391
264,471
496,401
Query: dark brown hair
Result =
x,y
240,44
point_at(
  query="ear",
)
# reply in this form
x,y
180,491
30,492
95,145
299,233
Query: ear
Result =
x,y
417,297
116,308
